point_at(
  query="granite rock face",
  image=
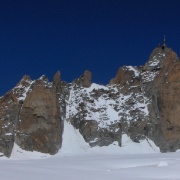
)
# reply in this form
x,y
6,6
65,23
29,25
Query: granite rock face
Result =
x,y
10,106
30,117
39,126
165,110
84,80
87,78
9,111
142,102
57,79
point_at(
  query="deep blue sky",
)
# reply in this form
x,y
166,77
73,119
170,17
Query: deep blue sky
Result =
x,y
42,36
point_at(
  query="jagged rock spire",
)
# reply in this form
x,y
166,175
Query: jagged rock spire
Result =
x,y
57,78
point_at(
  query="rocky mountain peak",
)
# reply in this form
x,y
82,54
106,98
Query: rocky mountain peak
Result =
x,y
140,102
87,77
84,80
25,78
57,78
157,57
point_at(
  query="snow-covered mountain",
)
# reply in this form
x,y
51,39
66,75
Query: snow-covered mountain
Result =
x,y
139,107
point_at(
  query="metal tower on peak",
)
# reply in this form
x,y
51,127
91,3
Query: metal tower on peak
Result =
x,y
164,40
164,43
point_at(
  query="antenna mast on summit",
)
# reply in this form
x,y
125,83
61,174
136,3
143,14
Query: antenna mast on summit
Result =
x,y
164,40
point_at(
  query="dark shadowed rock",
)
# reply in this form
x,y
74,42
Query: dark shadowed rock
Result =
x,y
97,136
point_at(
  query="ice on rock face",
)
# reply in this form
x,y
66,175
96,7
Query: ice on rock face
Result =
x,y
22,88
136,72
148,76
96,105
105,104
156,59
154,65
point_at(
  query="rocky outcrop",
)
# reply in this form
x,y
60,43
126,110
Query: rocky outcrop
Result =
x,y
9,111
57,79
30,117
126,77
97,136
85,80
10,106
40,126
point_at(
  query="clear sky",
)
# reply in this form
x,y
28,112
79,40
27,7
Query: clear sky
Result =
x,y
42,36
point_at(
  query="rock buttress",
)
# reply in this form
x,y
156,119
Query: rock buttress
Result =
x,y
165,107
40,126
10,106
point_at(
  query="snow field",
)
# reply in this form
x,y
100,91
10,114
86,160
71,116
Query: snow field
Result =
x,y
95,167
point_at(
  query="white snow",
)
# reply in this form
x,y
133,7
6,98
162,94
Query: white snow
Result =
x,y
156,59
96,167
24,94
73,142
96,86
148,76
77,161
163,163
136,72
20,154
8,134
25,89
154,62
